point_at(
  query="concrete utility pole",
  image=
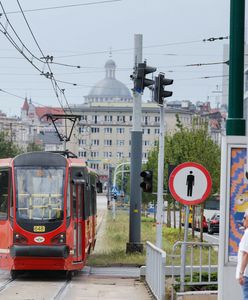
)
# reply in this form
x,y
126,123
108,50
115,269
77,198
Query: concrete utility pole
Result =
x,y
134,244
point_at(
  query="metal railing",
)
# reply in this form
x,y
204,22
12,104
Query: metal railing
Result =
x,y
155,270
203,266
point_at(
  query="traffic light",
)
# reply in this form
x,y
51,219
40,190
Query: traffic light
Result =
x,y
99,186
146,185
159,92
140,82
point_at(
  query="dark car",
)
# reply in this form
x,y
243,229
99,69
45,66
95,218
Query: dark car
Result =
x,y
214,224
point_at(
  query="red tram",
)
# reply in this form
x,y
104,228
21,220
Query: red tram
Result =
x,y
47,212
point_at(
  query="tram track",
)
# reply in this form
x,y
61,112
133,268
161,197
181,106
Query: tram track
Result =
x,y
5,284
61,290
36,288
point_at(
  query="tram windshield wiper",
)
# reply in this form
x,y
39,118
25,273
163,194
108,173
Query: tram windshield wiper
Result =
x,y
52,220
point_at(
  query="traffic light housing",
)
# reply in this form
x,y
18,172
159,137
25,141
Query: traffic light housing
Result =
x,y
146,185
139,77
159,92
99,186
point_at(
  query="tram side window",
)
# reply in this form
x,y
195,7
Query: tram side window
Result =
x,y
68,201
4,183
93,200
86,204
74,200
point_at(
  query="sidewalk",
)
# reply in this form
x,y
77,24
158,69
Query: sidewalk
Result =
x,y
98,287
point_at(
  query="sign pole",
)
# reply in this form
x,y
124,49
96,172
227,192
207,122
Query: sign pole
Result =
x,y
160,200
184,249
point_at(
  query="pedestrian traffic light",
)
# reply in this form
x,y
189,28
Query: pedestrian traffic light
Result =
x,y
146,185
159,92
138,77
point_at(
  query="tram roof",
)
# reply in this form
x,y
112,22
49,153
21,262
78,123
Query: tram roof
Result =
x,y
5,162
77,162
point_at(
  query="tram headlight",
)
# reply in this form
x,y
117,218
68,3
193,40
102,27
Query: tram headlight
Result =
x,y
59,238
19,239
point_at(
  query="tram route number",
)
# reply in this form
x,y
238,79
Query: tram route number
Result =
x,y
39,228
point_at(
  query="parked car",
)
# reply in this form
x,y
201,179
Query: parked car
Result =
x,y
214,224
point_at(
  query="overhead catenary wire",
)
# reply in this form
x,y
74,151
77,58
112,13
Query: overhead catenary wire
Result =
x,y
54,84
33,57
132,49
64,6
23,98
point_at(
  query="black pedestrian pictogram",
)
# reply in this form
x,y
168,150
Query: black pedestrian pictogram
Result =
x,y
190,183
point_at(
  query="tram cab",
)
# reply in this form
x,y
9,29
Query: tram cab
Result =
x,y
47,212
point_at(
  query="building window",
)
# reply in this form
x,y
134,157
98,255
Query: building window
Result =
x,y
107,142
157,119
120,143
120,130
95,142
121,119
94,166
146,130
119,154
82,154
156,130
95,129
83,118
108,130
82,129
145,155
146,119
94,119
107,154
105,167
146,143
82,142
130,118
94,154
108,118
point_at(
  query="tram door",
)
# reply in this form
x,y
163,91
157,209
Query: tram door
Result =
x,y
6,201
78,194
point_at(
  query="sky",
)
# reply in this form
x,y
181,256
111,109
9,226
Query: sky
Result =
x,y
86,33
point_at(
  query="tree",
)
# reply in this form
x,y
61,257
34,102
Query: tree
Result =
x,y
7,148
34,147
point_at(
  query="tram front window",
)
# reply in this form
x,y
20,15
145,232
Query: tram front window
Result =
x,y
39,193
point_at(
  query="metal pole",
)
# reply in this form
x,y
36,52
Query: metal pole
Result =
x,y
235,124
160,200
113,209
134,243
184,249
109,184
64,143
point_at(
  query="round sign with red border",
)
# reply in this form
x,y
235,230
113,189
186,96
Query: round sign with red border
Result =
x,y
190,183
